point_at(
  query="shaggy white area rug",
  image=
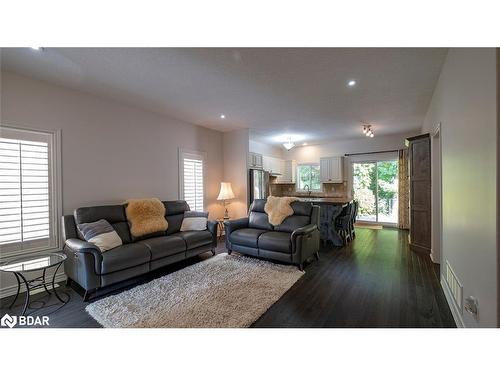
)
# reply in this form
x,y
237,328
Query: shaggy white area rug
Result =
x,y
229,291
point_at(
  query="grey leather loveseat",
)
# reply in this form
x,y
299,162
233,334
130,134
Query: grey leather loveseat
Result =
x,y
92,269
293,241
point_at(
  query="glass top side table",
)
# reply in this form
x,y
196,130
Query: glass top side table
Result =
x,y
22,265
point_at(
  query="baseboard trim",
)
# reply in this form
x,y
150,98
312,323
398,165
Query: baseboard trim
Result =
x,y
457,316
11,290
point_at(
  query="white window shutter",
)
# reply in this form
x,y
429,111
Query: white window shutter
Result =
x,y
29,190
24,191
193,180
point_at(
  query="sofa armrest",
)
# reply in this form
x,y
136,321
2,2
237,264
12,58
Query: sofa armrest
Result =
x,y
83,263
305,242
308,229
212,228
75,245
232,225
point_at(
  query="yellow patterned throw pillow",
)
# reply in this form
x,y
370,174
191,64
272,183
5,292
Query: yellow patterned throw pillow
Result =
x,y
146,216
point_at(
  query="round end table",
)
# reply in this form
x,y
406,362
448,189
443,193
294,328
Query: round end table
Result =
x,y
23,265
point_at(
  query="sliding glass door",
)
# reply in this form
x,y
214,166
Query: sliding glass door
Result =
x,y
375,185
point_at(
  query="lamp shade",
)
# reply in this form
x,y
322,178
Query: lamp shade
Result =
x,y
225,191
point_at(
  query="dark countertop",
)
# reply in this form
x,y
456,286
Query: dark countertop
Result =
x,y
324,200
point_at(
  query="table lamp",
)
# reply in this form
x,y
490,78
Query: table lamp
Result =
x,y
225,193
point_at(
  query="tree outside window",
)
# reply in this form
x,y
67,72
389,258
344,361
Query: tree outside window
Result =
x,y
308,176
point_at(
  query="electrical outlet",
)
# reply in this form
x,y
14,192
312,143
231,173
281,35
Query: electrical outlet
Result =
x,y
471,305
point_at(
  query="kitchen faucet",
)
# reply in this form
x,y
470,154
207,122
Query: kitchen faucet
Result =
x,y
308,189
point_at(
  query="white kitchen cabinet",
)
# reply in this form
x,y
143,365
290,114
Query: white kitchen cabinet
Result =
x,y
254,160
331,169
288,171
272,165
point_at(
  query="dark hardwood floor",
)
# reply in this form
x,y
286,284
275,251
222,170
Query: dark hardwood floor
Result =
x,y
375,281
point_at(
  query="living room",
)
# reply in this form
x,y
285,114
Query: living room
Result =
x,y
178,186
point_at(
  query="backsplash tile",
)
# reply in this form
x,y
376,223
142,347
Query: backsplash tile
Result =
x,y
329,190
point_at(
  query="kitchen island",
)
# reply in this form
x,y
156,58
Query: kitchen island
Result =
x,y
330,209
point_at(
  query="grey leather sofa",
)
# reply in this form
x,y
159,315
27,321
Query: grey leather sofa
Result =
x,y
92,269
293,241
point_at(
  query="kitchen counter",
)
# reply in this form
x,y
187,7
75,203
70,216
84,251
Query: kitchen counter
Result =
x,y
330,200
330,209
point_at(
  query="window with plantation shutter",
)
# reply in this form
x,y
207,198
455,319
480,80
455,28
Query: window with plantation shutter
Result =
x,y
27,191
192,187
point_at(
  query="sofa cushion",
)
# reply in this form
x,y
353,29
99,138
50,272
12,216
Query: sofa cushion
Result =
x,y
300,218
276,241
246,236
115,215
257,218
174,213
125,256
165,246
293,222
302,208
195,238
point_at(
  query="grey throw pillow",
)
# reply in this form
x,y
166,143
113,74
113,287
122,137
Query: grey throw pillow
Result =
x,y
194,221
101,234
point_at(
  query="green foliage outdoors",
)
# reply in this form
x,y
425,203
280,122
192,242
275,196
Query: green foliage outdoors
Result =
x,y
309,175
365,186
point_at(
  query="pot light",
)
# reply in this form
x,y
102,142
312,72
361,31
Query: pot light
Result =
x,y
222,116
304,144
36,48
351,83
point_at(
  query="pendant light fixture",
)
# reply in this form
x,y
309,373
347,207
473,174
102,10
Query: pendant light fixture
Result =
x,y
289,144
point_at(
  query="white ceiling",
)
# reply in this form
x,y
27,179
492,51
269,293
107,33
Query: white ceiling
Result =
x,y
272,91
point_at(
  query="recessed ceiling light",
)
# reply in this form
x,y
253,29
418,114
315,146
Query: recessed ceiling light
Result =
x,y
351,83
304,144
36,48
222,116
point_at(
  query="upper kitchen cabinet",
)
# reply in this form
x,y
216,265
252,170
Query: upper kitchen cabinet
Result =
x,y
331,169
288,170
272,165
255,160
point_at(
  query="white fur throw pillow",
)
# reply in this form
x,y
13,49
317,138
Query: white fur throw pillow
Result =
x,y
278,208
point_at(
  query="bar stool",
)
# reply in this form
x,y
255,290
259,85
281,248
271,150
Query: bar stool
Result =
x,y
344,225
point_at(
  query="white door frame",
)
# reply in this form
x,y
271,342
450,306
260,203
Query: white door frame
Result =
x,y
436,195
366,160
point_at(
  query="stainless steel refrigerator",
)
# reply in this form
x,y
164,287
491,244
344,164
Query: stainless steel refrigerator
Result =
x,y
258,185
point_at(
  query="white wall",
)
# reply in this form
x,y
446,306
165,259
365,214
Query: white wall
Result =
x,y
110,151
465,102
312,154
236,144
265,149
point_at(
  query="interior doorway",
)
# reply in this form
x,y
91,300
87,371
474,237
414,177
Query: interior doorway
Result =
x,y
375,186
436,196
